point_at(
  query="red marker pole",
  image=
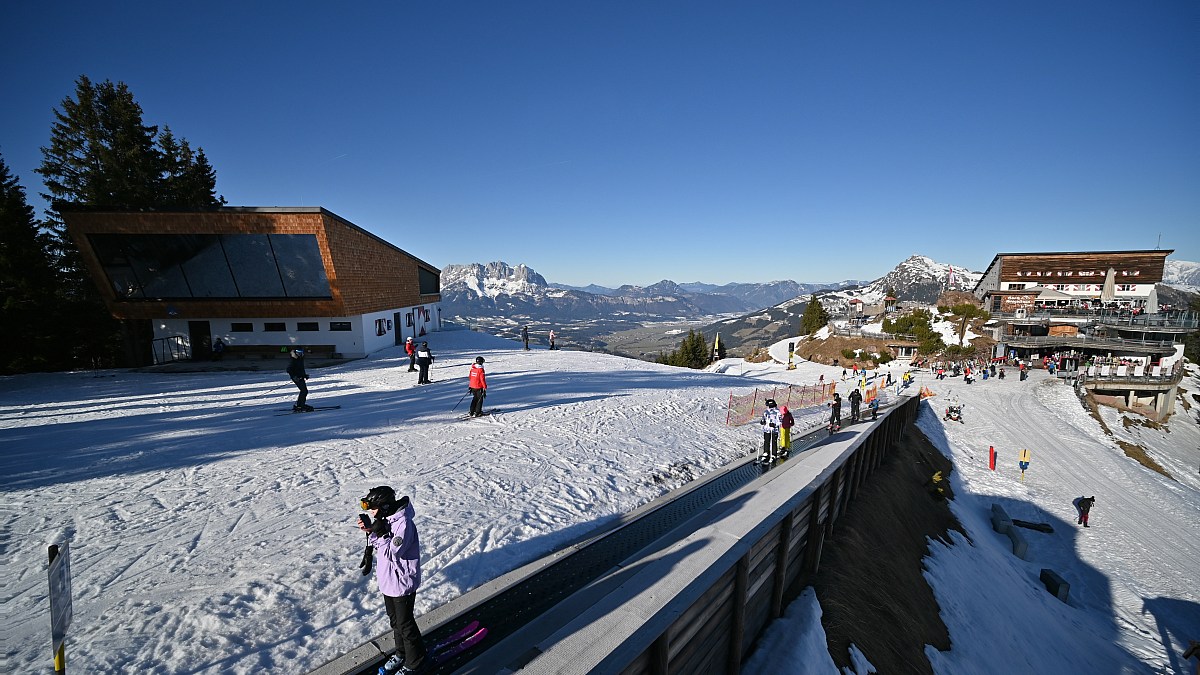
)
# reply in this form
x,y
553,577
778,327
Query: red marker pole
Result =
x,y
991,458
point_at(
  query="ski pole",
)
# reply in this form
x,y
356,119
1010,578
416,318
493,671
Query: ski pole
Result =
x,y
460,401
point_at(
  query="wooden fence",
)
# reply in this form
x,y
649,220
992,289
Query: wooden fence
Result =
x,y
699,606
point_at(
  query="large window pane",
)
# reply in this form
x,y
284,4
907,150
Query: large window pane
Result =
x,y
156,260
206,270
253,265
300,265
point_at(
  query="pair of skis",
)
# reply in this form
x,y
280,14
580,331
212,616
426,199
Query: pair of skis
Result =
x,y
315,408
468,416
449,647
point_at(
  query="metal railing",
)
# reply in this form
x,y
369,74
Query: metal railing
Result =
x,y
1179,320
170,348
1084,341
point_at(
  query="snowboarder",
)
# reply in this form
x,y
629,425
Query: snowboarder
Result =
x,y
835,417
410,348
393,535
1083,506
786,422
424,360
770,421
855,400
296,371
477,385
525,336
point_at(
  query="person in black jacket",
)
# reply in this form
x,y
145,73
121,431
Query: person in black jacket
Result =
x,y
855,400
296,371
835,417
424,360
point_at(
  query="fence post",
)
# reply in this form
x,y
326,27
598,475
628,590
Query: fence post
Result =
x,y
781,558
737,633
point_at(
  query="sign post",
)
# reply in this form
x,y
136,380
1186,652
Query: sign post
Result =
x,y
1024,462
60,602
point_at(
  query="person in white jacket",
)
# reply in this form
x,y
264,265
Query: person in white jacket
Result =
x,y
771,421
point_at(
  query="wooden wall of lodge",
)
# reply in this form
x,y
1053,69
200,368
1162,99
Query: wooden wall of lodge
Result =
x,y
1149,264
365,274
717,632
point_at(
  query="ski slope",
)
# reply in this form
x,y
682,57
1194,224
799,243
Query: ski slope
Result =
x,y
209,535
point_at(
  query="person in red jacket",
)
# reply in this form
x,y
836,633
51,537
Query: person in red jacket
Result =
x,y
410,348
477,385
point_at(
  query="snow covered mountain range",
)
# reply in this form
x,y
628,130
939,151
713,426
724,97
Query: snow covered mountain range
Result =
x,y
497,289
1183,275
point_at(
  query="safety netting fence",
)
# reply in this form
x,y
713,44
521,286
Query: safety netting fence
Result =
x,y
799,399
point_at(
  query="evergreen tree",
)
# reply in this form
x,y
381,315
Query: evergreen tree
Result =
x,y
27,283
814,318
101,154
693,352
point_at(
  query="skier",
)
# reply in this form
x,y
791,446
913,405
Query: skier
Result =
x,y
393,535
410,348
786,422
477,385
874,406
424,360
1083,507
855,400
525,336
770,421
296,371
551,338
835,417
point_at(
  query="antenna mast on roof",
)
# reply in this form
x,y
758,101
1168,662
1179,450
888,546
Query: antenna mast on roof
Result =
x,y
1159,244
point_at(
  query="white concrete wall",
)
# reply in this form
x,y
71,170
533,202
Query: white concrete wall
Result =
x,y
360,340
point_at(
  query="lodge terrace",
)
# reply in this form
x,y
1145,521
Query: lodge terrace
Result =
x,y
1096,315
260,279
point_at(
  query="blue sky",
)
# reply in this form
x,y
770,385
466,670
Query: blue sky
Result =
x,y
628,142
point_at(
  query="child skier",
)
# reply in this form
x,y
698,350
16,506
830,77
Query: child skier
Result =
x,y
393,535
770,421
835,417
786,422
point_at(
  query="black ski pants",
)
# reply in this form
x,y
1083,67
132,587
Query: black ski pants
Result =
x,y
477,396
405,630
423,376
303,390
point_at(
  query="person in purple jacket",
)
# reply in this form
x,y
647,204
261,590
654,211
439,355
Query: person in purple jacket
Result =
x,y
393,535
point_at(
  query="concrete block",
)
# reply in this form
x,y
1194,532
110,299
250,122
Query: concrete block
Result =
x,y
1000,520
1020,547
1057,586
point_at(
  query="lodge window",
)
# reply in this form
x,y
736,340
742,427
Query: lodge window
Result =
x,y
308,325
275,327
1125,287
429,282
1016,287
241,328
339,325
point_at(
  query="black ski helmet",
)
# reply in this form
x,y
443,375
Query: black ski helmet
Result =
x,y
479,360
771,403
379,497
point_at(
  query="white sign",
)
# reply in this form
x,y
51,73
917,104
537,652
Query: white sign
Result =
x,y
60,594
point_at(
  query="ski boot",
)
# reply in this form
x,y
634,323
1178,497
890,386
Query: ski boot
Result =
x,y
302,408
392,665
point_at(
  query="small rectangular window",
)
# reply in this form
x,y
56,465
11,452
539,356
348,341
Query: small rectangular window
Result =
x,y
275,327
339,325
308,325
241,328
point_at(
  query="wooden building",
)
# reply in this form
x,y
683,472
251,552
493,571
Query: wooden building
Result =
x,y
1019,283
259,279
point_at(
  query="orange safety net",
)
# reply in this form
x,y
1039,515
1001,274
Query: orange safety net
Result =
x,y
747,407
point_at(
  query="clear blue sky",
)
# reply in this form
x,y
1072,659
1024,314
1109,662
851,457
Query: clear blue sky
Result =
x,y
632,141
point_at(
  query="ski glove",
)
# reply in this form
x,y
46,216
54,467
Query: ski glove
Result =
x,y
381,527
367,559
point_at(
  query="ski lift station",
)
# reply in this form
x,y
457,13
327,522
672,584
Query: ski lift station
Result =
x,y
260,279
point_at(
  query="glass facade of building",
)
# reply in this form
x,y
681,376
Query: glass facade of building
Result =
x,y
212,266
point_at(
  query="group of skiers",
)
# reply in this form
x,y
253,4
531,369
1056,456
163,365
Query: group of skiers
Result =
x,y
419,360
777,423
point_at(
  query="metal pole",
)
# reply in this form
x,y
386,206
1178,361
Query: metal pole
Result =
x,y
60,656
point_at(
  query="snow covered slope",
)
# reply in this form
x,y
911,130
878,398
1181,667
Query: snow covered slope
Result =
x,y
209,535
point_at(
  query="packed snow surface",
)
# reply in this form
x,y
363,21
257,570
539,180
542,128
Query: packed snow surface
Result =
x,y
210,535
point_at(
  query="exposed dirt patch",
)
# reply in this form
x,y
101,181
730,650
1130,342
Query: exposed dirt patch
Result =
x,y
889,611
1136,452
825,351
